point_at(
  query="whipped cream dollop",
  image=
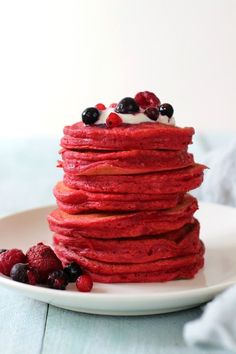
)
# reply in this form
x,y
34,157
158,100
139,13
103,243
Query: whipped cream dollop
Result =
x,y
133,118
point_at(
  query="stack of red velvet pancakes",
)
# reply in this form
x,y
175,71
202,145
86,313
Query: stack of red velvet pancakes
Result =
x,y
124,213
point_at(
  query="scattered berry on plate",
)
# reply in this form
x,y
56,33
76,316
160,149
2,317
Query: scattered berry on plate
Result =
x,y
166,110
84,283
22,273
152,113
90,115
127,105
113,105
19,272
9,258
147,99
72,271
113,120
100,106
43,259
33,276
57,280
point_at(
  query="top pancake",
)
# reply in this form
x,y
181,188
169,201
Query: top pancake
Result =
x,y
143,136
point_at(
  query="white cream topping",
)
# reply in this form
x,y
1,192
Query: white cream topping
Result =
x,y
133,118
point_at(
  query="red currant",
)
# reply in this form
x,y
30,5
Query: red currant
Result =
x,y
100,106
113,105
84,283
113,120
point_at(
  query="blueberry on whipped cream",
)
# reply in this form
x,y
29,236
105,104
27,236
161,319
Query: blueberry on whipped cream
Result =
x,y
166,109
144,107
152,113
127,105
90,115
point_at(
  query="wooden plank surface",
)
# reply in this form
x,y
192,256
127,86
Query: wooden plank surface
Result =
x,y
76,333
22,324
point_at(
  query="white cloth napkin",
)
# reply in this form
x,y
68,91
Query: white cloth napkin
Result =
x,y
217,326
219,184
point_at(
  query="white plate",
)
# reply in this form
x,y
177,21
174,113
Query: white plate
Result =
x,y
218,231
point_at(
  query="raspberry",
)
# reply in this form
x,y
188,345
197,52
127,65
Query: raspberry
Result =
x,y
57,280
9,258
113,120
42,258
84,283
113,105
72,271
147,99
152,113
100,106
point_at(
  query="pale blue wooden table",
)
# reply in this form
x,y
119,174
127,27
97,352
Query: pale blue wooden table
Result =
x,y
27,175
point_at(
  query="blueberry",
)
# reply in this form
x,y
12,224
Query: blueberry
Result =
x,y
19,272
152,113
90,115
166,110
127,105
72,271
57,280
2,250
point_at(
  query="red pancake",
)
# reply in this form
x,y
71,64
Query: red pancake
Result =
x,y
124,214
143,136
74,201
104,225
123,162
177,181
113,272
143,249
147,277
186,272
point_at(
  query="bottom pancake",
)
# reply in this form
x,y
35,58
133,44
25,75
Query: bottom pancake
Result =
x,y
162,270
148,277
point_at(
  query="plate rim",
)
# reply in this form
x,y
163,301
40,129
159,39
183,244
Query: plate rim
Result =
x,y
4,280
